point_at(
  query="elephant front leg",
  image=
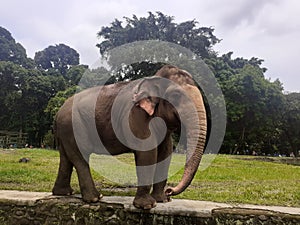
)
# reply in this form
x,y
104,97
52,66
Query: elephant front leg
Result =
x,y
142,199
158,192
145,169
161,171
160,180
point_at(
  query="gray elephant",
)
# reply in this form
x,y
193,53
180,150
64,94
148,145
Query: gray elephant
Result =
x,y
124,119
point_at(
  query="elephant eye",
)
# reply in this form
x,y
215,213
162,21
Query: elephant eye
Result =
x,y
143,94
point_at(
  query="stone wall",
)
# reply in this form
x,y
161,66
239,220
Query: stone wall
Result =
x,y
34,208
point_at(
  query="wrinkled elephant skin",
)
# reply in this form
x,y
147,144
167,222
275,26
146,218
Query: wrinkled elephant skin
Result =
x,y
177,102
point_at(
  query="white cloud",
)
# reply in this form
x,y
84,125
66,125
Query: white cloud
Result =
x,y
271,34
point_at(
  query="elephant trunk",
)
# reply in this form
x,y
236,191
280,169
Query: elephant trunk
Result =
x,y
196,138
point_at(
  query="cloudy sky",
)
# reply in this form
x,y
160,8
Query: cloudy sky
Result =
x,y
267,29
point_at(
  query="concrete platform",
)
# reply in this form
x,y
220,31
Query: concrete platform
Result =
x,y
177,207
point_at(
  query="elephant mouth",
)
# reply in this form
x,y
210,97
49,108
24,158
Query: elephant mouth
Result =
x,y
146,104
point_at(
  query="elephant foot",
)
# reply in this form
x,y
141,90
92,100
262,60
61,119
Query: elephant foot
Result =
x,y
62,191
92,197
161,197
144,202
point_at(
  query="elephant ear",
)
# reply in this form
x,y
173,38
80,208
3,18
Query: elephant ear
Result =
x,y
146,94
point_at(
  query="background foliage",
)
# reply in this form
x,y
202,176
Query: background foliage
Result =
x,y
261,117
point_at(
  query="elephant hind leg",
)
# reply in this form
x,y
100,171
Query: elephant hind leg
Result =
x,y
62,184
87,186
70,157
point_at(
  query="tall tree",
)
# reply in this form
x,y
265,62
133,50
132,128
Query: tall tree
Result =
x,y
59,57
58,100
12,51
253,105
75,73
290,126
158,27
10,74
24,94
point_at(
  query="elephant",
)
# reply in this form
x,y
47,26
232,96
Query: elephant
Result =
x,y
169,96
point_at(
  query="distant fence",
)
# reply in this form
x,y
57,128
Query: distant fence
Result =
x,y
13,139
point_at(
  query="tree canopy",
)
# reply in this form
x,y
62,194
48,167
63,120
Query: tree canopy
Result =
x,y
59,57
158,27
26,88
24,93
12,51
290,123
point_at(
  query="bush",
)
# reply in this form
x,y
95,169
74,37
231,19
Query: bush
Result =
x,y
48,140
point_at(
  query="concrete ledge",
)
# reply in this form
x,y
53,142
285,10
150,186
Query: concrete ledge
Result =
x,y
18,207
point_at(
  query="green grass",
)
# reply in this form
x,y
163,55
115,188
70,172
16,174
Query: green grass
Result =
x,y
233,180
227,179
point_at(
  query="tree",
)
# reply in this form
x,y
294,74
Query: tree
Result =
x,y
25,90
290,125
59,57
10,74
24,94
155,27
58,100
224,66
12,51
253,105
75,73
158,27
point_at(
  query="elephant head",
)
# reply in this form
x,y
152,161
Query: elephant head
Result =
x,y
183,107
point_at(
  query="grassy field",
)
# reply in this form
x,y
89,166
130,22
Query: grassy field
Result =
x,y
231,179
